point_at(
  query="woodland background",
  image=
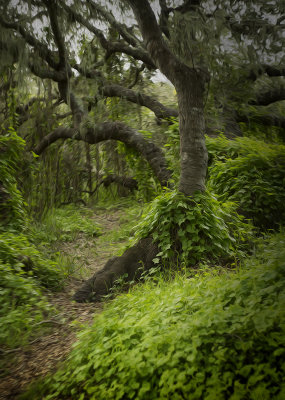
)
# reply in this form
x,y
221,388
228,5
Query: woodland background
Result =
x,y
146,138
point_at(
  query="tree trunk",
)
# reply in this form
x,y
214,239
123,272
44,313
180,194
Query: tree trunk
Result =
x,y
193,152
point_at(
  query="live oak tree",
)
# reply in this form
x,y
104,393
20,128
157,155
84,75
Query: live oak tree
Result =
x,y
193,43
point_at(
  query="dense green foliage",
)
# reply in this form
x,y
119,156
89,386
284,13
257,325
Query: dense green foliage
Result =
x,y
189,230
11,202
247,171
217,335
17,251
81,123
65,224
251,173
23,273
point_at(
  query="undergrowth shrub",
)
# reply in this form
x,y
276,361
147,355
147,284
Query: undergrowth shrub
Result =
x,y
17,251
12,213
219,335
252,174
22,307
23,273
64,224
191,229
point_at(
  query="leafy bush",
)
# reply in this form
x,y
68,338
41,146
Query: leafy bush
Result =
x,y
11,202
215,336
23,273
22,306
192,229
221,148
26,260
23,269
65,224
252,174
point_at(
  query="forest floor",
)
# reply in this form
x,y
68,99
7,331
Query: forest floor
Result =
x,y
45,353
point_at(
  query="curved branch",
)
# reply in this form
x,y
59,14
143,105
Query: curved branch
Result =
x,y
43,73
114,90
266,120
125,181
138,54
270,70
271,96
115,131
59,133
62,116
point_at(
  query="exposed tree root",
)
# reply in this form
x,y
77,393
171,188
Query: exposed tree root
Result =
x,y
130,263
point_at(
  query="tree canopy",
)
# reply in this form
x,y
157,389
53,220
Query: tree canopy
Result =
x,y
224,58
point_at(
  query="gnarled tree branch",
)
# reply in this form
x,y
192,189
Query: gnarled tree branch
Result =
x,y
115,131
125,181
109,89
270,96
113,90
266,120
270,70
156,46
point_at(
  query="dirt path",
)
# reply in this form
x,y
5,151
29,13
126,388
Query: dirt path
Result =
x,y
44,354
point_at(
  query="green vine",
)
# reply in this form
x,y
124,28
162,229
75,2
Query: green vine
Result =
x,y
193,229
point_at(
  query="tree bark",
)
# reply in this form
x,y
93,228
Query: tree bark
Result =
x,y
124,181
116,131
131,264
193,152
161,111
189,84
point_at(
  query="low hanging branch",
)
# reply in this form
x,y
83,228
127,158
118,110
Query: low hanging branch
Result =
x,y
265,98
116,131
161,111
270,70
267,120
109,89
125,181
